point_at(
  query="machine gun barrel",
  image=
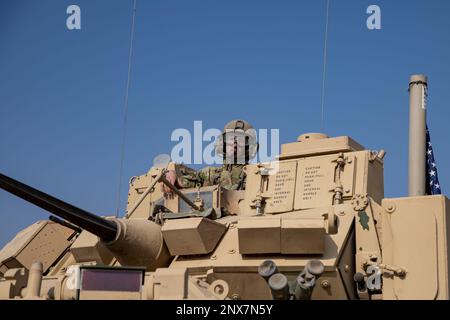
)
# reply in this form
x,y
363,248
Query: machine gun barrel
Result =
x,y
105,229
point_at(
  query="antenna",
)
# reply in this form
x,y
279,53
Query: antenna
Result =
x,y
324,66
125,114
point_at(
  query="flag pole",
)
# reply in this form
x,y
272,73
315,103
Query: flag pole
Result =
x,y
417,135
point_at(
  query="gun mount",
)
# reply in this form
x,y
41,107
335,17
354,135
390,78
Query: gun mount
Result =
x,y
132,242
104,229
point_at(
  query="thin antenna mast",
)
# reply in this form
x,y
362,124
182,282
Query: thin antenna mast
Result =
x,y
125,115
324,67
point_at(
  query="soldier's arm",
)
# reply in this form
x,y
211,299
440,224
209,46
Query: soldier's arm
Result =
x,y
187,177
180,176
209,176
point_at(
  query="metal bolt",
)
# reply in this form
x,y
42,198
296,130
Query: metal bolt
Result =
x,y
401,272
346,268
347,190
219,289
214,257
390,208
341,213
325,284
235,296
231,251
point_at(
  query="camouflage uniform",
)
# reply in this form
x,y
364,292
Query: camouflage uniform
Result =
x,y
231,177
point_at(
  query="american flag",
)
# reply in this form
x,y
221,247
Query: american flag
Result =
x,y
432,181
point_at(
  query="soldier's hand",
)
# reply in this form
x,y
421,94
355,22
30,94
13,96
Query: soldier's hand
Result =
x,y
171,176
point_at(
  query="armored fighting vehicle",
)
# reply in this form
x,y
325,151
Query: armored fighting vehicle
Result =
x,y
312,225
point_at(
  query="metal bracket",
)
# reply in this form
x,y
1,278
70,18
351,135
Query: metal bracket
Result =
x,y
360,202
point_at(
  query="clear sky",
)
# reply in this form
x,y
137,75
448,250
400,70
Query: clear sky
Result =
x,y
62,91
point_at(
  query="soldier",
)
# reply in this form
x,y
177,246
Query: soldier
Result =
x,y
237,146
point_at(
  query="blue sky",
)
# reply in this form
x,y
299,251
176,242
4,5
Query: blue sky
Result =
x,y
62,92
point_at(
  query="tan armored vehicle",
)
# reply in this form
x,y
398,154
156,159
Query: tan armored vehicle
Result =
x,y
312,225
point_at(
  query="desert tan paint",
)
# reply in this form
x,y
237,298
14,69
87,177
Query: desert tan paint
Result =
x,y
417,134
415,237
325,202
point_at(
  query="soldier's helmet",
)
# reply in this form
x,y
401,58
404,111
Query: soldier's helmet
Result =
x,y
243,133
